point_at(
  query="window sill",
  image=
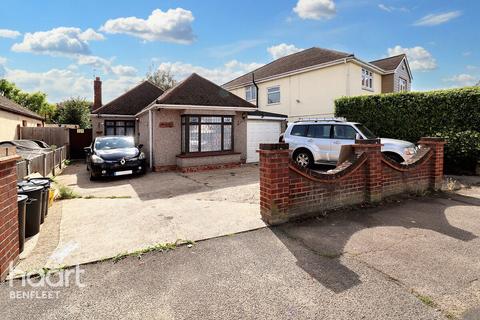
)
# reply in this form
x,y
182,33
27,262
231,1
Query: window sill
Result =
x,y
206,154
367,89
273,104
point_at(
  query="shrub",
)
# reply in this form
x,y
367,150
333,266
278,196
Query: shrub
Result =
x,y
409,116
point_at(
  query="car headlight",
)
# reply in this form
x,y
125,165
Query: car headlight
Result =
x,y
97,159
410,151
141,156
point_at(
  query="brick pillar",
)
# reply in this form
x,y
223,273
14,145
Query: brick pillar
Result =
x,y
9,241
437,145
274,182
372,148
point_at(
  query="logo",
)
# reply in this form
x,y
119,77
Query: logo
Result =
x,y
122,162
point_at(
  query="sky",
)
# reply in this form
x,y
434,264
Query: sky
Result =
x,y
59,46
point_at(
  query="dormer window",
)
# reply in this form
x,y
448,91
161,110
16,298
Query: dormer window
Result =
x,y
367,79
250,93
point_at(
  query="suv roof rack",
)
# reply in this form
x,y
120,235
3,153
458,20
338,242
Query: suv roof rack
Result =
x,y
321,119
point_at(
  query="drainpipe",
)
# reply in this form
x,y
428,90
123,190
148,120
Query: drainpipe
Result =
x,y
347,88
256,88
150,137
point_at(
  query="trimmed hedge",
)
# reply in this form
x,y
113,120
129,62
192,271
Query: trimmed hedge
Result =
x,y
453,114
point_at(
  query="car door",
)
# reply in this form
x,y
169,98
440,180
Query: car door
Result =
x,y
342,135
319,137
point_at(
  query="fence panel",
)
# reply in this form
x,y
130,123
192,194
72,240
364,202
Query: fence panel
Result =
x,y
22,169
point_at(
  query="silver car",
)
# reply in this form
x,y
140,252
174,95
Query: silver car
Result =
x,y
320,141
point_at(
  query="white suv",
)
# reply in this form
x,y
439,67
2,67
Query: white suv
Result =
x,y
320,141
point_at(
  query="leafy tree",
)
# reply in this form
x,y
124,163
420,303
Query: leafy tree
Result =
x,y
164,79
36,102
74,111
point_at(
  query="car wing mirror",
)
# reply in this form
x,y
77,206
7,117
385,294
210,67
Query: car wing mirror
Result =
x,y
88,150
140,146
358,137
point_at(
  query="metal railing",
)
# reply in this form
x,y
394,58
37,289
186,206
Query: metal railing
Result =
x,y
45,164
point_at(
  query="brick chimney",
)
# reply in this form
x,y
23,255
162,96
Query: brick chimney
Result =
x,y
97,93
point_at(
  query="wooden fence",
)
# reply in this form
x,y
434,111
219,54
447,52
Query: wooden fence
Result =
x,y
45,164
52,135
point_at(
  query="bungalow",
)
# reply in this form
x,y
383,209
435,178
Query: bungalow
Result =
x,y
13,116
195,125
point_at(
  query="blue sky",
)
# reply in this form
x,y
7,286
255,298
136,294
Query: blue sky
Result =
x,y
58,46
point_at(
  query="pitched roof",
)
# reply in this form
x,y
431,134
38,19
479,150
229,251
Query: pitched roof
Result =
x,y
199,91
390,63
303,59
132,101
13,107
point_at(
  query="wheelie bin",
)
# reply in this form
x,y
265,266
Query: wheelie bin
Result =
x,y
33,212
22,203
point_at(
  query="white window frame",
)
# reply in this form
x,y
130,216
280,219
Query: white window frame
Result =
x,y
252,91
402,85
367,79
276,91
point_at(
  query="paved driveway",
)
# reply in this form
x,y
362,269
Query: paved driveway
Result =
x,y
123,215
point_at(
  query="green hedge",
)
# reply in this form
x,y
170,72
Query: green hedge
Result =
x,y
454,114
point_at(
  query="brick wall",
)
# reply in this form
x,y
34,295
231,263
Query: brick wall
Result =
x,y
9,242
287,191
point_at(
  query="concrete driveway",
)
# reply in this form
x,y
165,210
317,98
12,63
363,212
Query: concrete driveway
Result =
x,y
122,215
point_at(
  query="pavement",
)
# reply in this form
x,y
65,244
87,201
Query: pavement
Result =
x,y
412,259
120,215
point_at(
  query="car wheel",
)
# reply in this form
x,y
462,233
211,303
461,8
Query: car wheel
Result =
x,y
303,159
393,156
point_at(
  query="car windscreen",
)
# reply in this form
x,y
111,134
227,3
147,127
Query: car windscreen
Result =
x,y
366,132
114,143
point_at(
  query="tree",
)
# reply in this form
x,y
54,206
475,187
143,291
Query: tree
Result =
x,y
36,102
164,79
74,111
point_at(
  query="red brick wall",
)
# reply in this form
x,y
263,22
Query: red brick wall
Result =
x,y
287,191
9,242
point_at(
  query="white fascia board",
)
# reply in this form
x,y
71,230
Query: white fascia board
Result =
x,y
103,115
266,118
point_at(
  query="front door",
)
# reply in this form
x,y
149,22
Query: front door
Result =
x,y
342,135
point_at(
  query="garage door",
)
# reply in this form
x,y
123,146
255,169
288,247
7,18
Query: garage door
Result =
x,y
260,131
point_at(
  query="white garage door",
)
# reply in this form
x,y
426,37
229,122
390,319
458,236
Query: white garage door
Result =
x,y
260,131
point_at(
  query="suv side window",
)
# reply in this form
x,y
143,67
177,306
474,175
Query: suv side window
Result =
x,y
319,131
299,130
344,132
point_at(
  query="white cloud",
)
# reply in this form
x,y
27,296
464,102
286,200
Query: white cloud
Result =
x,y
315,9
282,50
219,75
418,57
3,60
7,33
106,66
58,41
174,25
61,84
392,8
436,19
462,80
467,53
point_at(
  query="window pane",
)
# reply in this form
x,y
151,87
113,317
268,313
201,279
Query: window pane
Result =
x,y
109,123
119,123
211,119
120,131
130,123
193,119
227,119
109,131
227,137
183,119
274,97
130,131
193,139
183,136
299,130
344,132
319,131
211,137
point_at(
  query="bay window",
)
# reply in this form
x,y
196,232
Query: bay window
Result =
x,y
207,133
